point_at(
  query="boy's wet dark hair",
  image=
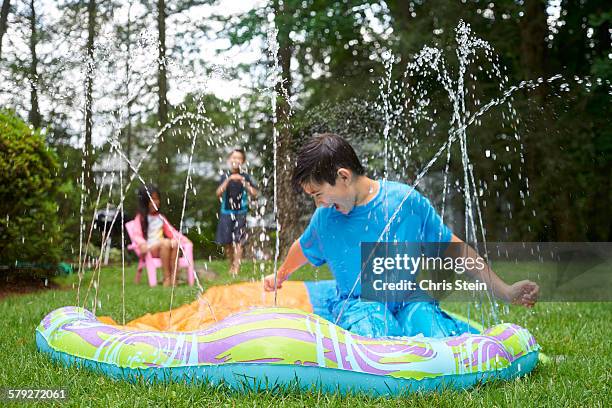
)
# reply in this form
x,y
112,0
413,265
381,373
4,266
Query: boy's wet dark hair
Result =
x,y
320,158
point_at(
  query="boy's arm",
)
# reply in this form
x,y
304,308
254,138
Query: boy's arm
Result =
x,y
222,187
524,292
252,190
248,184
295,259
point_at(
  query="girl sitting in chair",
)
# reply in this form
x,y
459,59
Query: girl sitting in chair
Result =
x,y
157,235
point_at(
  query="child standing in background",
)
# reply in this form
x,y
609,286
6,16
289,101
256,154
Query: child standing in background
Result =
x,y
233,192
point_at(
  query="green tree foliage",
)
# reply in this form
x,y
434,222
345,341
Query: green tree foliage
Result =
x,y
30,229
331,62
336,75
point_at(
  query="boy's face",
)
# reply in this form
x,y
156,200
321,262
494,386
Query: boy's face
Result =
x,y
235,160
341,196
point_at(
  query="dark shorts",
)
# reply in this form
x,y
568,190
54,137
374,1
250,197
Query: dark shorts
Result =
x,y
231,228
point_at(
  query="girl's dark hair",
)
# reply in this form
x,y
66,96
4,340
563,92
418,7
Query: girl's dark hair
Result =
x,y
320,158
143,205
241,151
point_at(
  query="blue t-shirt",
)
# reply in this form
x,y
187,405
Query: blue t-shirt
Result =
x,y
334,238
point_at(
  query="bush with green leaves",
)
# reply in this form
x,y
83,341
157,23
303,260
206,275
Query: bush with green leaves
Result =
x,y
30,229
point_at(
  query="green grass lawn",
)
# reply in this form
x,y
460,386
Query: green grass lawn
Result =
x,y
574,335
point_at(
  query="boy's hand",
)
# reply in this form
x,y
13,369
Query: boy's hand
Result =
x,y
523,293
269,282
143,248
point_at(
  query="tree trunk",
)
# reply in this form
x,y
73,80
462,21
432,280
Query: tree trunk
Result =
x,y
401,15
6,5
130,101
288,213
163,155
534,29
609,237
88,151
34,115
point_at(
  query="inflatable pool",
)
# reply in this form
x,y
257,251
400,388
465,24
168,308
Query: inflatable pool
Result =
x,y
264,348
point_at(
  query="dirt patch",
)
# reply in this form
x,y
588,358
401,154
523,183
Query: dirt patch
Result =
x,y
9,287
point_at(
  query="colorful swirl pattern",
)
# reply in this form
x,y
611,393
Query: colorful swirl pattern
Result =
x,y
287,337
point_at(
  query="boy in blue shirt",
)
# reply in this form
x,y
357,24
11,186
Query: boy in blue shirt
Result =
x,y
351,209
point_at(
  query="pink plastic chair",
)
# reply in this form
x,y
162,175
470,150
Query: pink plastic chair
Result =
x,y
152,264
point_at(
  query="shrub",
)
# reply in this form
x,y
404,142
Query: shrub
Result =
x,y
30,232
